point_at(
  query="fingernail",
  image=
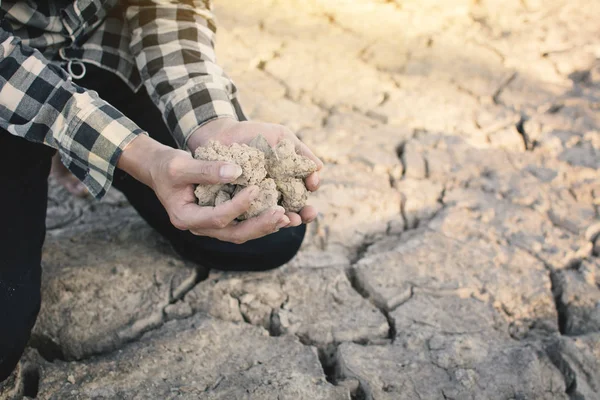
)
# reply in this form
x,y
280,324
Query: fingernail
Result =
x,y
277,209
230,171
283,222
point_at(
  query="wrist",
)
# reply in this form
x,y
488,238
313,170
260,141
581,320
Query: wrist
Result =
x,y
208,131
140,157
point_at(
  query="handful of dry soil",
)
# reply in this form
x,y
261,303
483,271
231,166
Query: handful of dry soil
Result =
x,y
278,172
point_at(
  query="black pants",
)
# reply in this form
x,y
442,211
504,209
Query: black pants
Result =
x,y
24,169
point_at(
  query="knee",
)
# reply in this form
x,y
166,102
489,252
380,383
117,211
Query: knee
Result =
x,y
262,254
280,249
19,307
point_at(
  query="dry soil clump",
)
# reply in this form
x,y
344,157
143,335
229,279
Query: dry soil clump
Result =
x,y
278,172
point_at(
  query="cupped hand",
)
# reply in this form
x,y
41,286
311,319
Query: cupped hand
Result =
x,y
228,131
172,175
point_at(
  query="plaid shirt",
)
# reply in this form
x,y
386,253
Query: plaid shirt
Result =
x,y
167,46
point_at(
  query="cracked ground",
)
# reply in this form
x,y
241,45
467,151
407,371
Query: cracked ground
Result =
x,y
457,254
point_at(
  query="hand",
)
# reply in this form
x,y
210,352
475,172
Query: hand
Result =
x,y
228,131
172,174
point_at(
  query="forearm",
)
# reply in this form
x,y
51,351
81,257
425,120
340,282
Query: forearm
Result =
x,y
180,71
41,104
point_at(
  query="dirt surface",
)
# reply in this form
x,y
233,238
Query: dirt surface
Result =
x,y
457,251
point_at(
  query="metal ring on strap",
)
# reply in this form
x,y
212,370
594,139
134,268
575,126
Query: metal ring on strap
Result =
x,y
70,69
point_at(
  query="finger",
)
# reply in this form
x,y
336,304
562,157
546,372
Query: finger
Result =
x,y
312,181
199,218
226,213
295,219
266,223
308,214
189,170
303,150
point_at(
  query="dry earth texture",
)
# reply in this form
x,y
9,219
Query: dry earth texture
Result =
x,y
457,252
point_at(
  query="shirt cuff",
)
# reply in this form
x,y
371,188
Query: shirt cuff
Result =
x,y
98,137
195,107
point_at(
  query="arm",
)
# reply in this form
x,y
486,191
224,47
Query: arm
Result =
x,y
39,102
173,45
172,42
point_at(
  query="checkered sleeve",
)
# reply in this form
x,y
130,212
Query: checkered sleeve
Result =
x,y
173,45
39,102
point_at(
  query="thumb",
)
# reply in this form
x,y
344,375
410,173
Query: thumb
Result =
x,y
208,172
